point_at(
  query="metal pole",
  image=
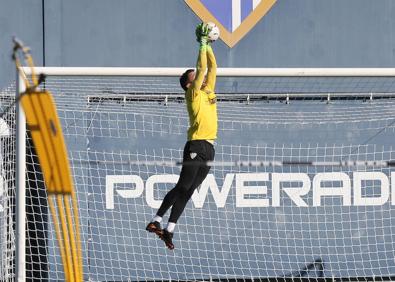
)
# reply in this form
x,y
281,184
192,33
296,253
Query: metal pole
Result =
x,y
20,181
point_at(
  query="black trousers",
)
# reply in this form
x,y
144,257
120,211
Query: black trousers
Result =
x,y
191,177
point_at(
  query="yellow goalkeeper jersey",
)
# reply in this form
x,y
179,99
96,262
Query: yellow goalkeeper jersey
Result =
x,y
201,102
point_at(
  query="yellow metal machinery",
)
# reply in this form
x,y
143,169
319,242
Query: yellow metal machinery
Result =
x,y
46,132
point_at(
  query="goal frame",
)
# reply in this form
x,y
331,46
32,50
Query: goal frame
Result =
x,y
20,256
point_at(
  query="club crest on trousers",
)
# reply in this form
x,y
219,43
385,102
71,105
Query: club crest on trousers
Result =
x,y
193,155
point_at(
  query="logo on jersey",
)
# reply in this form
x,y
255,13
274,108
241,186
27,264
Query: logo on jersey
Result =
x,y
235,18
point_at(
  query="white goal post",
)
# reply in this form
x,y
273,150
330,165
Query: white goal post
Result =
x,y
302,174
230,72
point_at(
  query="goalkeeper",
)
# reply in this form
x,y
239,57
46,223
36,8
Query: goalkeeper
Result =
x,y
199,149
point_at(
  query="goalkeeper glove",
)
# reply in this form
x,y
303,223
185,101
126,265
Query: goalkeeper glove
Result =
x,y
202,31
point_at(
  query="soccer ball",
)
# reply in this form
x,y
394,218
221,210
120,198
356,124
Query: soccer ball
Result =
x,y
214,31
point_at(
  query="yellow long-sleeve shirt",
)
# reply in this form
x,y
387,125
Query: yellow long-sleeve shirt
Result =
x,y
201,102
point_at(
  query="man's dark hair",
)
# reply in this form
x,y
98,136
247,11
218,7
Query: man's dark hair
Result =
x,y
184,79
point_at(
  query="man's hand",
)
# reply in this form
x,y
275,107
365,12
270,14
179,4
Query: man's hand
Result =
x,y
202,31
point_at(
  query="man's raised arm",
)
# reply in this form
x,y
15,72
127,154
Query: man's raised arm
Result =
x,y
201,67
212,70
201,32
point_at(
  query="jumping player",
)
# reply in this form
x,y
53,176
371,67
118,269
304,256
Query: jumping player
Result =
x,y
199,149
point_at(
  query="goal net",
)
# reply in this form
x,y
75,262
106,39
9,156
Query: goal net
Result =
x,y
7,184
301,184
